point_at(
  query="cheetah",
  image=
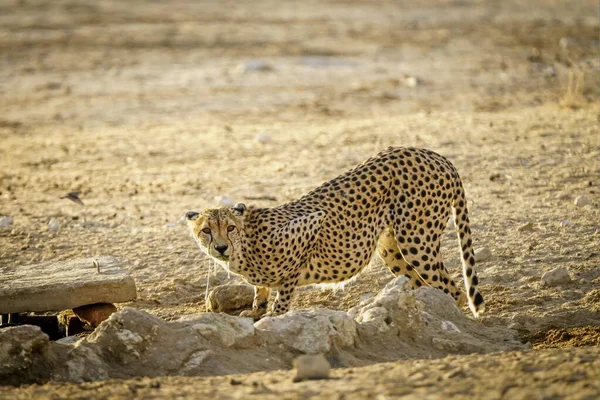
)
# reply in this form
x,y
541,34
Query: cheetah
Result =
x,y
397,203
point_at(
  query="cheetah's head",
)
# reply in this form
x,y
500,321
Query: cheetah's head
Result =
x,y
218,231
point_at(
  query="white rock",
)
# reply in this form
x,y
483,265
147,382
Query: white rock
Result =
x,y
54,225
556,276
222,328
411,81
224,201
483,254
311,366
311,331
582,201
562,196
263,138
6,222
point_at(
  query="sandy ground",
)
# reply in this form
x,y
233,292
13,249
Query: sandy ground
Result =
x,y
150,109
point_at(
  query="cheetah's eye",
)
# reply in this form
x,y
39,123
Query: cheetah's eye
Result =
x,y
230,228
206,230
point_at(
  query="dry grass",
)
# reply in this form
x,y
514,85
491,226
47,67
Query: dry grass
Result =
x,y
574,97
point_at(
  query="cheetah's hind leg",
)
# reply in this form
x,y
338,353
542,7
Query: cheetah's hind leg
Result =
x,y
388,250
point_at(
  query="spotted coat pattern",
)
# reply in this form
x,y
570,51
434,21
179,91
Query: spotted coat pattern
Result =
x,y
396,203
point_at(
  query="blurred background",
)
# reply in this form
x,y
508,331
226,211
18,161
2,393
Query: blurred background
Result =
x,y
152,108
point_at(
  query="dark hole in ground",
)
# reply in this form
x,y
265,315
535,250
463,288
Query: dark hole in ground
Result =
x,y
565,337
49,324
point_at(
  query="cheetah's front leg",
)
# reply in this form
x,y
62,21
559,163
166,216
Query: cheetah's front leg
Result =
x,y
283,299
259,305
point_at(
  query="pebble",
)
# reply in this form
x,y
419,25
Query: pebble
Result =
x,y
566,223
562,196
411,81
253,66
582,201
54,225
483,254
556,276
526,227
6,222
566,42
263,138
224,201
311,366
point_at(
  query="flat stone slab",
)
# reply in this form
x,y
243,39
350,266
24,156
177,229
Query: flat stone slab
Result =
x,y
57,286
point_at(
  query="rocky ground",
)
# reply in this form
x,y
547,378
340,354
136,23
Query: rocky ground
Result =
x,y
153,109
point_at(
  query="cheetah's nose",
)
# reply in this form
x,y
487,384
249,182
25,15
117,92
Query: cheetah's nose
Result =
x,y
221,248
191,215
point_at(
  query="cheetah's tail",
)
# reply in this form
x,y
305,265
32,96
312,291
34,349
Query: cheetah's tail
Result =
x,y
467,256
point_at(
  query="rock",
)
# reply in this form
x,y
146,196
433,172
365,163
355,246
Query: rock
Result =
x,y
411,81
252,66
582,201
565,223
309,367
483,254
262,137
230,298
224,201
224,329
556,276
562,196
310,331
23,352
54,225
567,42
6,221
398,322
94,314
526,227
66,284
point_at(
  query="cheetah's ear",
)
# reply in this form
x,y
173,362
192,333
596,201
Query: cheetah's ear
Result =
x,y
239,209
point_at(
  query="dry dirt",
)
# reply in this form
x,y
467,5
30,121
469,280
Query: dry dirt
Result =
x,y
150,109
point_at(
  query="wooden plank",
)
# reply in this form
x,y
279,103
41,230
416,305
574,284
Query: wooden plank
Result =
x,y
57,286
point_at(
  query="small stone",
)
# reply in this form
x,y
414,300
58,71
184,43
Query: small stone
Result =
x,y
262,137
562,196
565,223
224,201
230,298
549,71
310,367
483,254
556,276
411,81
54,225
581,201
253,66
566,42
526,227
6,222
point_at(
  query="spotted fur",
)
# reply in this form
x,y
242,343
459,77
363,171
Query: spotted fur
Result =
x,y
396,203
